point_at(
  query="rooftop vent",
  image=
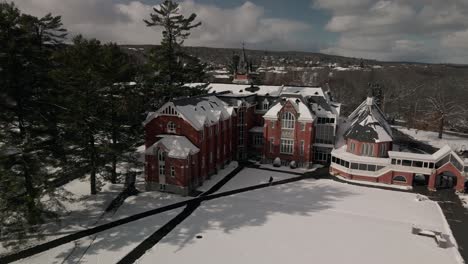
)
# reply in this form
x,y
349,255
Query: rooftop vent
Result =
x,y
316,93
241,91
298,101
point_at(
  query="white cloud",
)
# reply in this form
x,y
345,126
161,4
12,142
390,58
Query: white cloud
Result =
x,y
424,30
123,23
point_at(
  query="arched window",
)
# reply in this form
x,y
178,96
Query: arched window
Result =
x,y
288,121
399,179
162,162
171,127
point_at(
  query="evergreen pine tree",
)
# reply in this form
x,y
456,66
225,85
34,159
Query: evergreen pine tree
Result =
x,y
173,67
27,151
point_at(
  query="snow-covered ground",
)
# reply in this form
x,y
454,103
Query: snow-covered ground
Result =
x,y
88,211
312,220
464,199
217,177
288,169
248,177
432,138
377,184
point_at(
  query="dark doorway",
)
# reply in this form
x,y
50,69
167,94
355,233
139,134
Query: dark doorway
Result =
x,y
446,180
421,180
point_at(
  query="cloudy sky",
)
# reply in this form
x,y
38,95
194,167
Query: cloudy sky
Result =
x,y
409,30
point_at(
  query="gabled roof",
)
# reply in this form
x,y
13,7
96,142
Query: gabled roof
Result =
x,y
368,124
178,147
198,111
301,108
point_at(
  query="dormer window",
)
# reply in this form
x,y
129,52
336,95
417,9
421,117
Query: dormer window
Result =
x,y
265,105
171,127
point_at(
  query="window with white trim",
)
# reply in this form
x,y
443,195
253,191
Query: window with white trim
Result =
x,y
352,147
367,149
288,121
287,146
383,150
272,145
172,171
273,124
302,148
171,127
265,105
162,162
303,126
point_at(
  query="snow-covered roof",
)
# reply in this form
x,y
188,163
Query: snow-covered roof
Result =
x,y
178,147
368,124
198,111
262,90
304,112
424,157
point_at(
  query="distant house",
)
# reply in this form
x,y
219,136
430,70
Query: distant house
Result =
x,y
189,139
365,152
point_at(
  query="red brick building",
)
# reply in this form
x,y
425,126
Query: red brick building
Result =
x,y
365,152
189,139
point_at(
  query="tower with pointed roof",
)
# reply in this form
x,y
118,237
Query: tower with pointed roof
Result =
x,y
243,70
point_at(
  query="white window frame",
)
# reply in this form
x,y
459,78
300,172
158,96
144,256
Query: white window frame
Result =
x,y
162,162
171,127
303,126
287,146
301,149
288,121
173,172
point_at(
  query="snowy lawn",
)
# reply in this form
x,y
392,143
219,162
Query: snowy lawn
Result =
x,y
319,221
288,169
88,211
432,138
111,245
248,177
217,177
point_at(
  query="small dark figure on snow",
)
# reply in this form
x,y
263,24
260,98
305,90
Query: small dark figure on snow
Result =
x,y
270,181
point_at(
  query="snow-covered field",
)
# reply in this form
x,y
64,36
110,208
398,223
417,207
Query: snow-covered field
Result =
x,y
217,177
319,221
310,220
248,177
432,138
88,211
288,169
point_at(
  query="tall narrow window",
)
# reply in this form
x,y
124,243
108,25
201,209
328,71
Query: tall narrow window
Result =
x,y
272,145
162,162
287,146
288,120
302,147
171,127
172,171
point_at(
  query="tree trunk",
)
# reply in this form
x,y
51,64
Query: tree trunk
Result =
x,y
93,166
441,127
32,212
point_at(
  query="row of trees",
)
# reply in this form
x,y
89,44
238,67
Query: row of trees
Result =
x,y
72,110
